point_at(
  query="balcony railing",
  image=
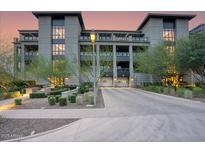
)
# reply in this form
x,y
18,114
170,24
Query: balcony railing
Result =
x,y
123,72
115,39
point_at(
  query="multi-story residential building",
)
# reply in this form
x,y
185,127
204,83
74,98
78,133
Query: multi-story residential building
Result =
x,y
64,34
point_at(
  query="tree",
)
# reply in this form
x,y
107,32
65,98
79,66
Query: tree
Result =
x,y
54,72
190,55
86,67
159,61
6,63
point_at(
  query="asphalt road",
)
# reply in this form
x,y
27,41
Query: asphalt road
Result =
x,y
135,115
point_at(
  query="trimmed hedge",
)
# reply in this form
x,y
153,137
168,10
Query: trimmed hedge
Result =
x,y
18,101
72,99
51,100
57,98
37,95
62,101
57,92
84,87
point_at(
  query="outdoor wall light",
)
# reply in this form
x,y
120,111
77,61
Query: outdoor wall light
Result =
x,y
92,37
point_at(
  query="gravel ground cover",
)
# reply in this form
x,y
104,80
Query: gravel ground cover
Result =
x,y
42,103
16,128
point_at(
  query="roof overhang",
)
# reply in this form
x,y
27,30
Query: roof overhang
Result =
x,y
164,16
61,13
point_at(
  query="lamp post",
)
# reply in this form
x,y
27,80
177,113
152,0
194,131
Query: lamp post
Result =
x,y
93,40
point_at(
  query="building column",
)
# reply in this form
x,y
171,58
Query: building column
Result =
x,y
22,62
98,60
131,79
114,65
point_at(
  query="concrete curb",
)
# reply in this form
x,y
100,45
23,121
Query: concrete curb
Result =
x,y
40,134
173,97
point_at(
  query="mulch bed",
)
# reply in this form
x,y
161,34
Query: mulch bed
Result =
x,y
42,103
17,128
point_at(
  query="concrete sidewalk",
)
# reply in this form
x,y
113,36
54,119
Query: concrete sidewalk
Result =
x,y
11,100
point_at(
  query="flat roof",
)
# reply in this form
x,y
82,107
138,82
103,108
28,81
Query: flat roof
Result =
x,y
161,15
61,13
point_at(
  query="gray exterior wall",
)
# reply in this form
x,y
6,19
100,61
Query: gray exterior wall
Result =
x,y
182,29
72,48
153,30
44,41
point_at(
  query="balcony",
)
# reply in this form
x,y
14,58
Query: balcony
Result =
x,y
115,36
123,72
106,56
28,35
123,56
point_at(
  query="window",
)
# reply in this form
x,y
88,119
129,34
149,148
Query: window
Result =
x,y
58,49
58,32
169,31
169,34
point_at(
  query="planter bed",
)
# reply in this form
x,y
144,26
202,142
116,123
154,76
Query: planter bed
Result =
x,y
42,103
17,128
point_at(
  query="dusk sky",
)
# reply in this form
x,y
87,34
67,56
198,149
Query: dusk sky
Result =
x,y
10,22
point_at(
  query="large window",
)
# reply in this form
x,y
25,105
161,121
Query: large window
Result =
x,y
58,49
169,34
58,36
169,30
58,32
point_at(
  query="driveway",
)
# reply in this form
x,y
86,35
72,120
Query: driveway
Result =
x,y
136,115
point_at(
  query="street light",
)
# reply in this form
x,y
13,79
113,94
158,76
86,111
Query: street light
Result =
x,y
93,40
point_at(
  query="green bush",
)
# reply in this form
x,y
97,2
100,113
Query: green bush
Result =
x,y
51,100
57,92
188,93
62,101
84,87
57,98
197,91
18,101
180,92
169,90
72,99
38,95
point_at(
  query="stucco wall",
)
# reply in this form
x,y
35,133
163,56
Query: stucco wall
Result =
x,y
45,36
72,48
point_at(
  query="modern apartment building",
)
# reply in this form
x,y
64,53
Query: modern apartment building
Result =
x,y
63,34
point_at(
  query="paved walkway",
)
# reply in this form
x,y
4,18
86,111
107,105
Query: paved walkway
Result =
x,y
11,100
129,115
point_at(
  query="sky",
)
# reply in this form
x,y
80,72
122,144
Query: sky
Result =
x,y
12,21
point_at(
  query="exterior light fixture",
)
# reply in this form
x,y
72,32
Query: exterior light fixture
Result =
x,y
92,37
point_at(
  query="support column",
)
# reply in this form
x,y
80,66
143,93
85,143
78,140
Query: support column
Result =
x,y
114,65
131,79
98,60
22,62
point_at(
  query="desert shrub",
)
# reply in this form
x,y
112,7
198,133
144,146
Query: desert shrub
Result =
x,y
89,97
197,91
180,92
51,100
188,93
13,94
84,87
72,99
57,98
18,101
62,101
37,95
